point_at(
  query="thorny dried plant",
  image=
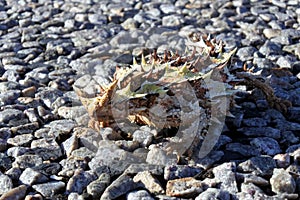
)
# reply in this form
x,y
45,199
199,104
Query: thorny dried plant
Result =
x,y
188,93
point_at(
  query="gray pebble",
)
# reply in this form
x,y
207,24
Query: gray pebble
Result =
x,y
172,21
14,173
260,165
251,178
282,182
246,53
261,131
136,168
79,181
184,187
61,127
225,173
180,171
26,161
88,138
8,115
138,195
30,177
255,122
149,182
270,48
243,149
70,144
47,149
5,183
17,193
213,193
20,140
97,187
50,188
285,62
143,137
210,159
83,153
119,187
266,145
159,157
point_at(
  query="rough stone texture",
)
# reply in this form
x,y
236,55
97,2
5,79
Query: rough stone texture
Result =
x,y
140,194
49,189
184,187
262,165
149,182
79,181
5,183
97,187
17,193
30,177
213,193
225,174
282,182
119,187
180,171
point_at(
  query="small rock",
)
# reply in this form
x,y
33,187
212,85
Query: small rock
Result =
x,y
61,127
225,174
266,145
111,155
261,131
83,153
129,23
34,197
136,168
14,173
119,187
10,114
26,161
88,138
282,160
243,149
149,182
17,193
49,189
127,145
285,62
97,187
246,53
47,149
20,140
5,184
184,187
213,193
282,182
255,122
143,137
180,171
157,156
79,181
172,20
250,188
270,48
251,178
70,144
210,159
260,165
270,33
75,196
138,195
30,176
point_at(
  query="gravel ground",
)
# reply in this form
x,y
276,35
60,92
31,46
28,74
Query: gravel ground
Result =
x,y
48,152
